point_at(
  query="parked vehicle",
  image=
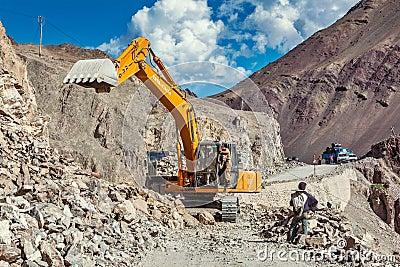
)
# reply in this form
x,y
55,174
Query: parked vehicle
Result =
x,y
353,157
342,158
292,158
337,154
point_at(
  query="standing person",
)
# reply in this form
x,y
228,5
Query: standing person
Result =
x,y
303,203
225,164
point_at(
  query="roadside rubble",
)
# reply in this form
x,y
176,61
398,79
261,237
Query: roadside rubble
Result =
x,y
330,236
54,214
325,228
167,165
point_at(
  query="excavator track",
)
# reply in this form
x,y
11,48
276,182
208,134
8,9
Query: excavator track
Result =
x,y
230,208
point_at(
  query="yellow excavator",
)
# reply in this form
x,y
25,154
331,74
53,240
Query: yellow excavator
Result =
x,y
202,177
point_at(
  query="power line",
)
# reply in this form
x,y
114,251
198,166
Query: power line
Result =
x,y
16,13
8,11
61,31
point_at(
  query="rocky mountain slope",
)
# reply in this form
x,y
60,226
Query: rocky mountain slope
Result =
x,y
83,124
52,212
341,85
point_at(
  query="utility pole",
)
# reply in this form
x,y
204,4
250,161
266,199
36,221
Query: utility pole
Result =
x,y
41,21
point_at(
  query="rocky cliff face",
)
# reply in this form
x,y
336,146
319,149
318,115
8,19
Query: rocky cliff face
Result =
x,y
340,85
382,170
84,125
17,91
52,212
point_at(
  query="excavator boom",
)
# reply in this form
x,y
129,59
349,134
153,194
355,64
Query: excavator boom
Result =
x,y
203,159
103,75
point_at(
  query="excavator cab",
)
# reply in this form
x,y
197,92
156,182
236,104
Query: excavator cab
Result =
x,y
208,172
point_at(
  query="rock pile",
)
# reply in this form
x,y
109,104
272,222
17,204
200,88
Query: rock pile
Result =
x,y
330,236
167,165
325,227
54,214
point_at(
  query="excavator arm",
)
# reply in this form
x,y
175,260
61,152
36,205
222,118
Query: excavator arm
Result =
x,y
103,75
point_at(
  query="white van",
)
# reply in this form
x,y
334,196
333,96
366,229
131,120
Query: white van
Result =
x,y
342,158
353,157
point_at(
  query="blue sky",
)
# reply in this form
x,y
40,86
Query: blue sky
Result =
x,y
241,35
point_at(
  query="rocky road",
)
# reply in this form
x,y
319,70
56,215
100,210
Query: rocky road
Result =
x,y
259,236
300,172
222,244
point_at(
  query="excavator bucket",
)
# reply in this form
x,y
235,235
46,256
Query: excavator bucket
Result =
x,y
93,73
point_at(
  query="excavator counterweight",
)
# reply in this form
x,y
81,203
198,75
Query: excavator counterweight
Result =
x,y
99,74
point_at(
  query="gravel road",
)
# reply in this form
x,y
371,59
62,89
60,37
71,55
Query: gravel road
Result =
x,y
229,244
300,172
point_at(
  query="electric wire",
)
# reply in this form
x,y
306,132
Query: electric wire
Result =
x,y
18,13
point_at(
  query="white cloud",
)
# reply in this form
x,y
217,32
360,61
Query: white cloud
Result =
x,y
114,47
189,30
261,42
275,27
322,13
214,74
233,17
280,24
178,30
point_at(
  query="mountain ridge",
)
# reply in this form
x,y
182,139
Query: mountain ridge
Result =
x,y
340,85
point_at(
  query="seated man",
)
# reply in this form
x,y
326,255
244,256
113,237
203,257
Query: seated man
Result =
x,y
303,203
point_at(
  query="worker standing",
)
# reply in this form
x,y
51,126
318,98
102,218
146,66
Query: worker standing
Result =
x,y
303,203
225,164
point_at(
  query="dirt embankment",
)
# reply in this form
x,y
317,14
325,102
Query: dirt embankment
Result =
x,y
84,125
383,172
345,193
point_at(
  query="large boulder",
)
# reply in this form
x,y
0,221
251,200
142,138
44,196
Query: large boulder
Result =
x,y
206,218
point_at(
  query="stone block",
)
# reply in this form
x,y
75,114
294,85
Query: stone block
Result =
x,y
206,218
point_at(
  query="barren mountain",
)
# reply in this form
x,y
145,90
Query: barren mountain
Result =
x,y
83,124
340,85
